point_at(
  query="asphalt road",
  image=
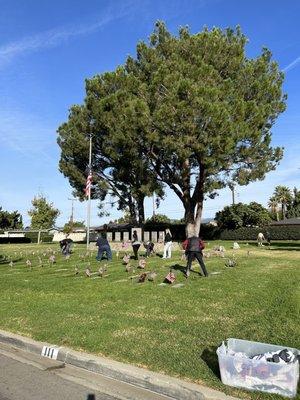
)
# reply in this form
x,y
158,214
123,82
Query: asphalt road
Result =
x,y
27,376
20,381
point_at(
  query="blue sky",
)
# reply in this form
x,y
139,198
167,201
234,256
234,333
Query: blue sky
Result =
x,y
48,48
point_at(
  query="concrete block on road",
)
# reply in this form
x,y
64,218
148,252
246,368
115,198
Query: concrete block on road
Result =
x,y
42,363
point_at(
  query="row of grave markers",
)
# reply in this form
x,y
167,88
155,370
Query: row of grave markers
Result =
x,y
145,236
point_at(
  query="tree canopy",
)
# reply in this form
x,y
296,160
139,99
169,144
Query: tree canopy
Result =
x,y
120,169
159,219
10,220
190,112
243,215
71,225
43,213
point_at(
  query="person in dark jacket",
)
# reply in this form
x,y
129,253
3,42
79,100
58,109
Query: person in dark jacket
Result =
x,y
103,247
65,246
135,244
193,247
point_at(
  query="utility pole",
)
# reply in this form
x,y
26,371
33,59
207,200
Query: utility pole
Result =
x,y
39,236
89,197
72,213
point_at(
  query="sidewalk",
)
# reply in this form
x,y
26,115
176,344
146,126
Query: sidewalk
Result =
x,y
159,383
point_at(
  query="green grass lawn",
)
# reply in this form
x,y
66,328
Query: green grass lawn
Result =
x,y
171,330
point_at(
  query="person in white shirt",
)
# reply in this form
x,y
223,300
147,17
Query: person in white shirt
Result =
x,y
168,244
260,239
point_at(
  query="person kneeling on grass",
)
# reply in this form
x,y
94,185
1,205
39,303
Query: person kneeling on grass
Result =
x,y
149,247
193,247
65,246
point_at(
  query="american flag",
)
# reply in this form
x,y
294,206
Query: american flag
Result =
x,y
88,184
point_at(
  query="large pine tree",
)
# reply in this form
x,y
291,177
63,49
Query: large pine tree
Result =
x,y
210,111
190,111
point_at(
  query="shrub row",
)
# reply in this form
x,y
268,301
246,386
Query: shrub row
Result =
x,y
6,240
210,232
207,232
275,233
30,237
33,237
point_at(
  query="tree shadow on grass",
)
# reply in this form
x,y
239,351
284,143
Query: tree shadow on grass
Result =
x,y
290,246
285,246
182,268
286,249
178,267
209,356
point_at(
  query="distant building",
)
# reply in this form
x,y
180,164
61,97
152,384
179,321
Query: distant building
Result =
x,y
295,222
112,227
212,222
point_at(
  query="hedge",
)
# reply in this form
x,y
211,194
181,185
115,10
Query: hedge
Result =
x,y
210,232
7,240
207,232
275,233
33,237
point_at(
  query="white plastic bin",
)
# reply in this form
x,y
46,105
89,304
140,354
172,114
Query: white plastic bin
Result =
x,y
241,371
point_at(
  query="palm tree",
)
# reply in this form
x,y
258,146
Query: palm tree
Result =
x,y
293,209
283,195
273,205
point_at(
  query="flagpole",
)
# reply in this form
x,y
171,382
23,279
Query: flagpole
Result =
x,y
89,199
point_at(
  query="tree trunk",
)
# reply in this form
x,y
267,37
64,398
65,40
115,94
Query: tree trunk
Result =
x,y
190,229
283,210
194,205
132,212
198,217
141,210
192,216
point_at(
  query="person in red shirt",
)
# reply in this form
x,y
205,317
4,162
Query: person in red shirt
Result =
x,y
193,247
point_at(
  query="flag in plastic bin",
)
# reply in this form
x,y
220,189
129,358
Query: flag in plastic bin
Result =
x,y
88,184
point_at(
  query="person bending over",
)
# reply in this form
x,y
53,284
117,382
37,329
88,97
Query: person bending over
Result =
x,y
193,247
260,239
103,247
65,246
149,247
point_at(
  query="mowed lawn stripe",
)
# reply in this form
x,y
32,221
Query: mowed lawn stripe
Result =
x,y
166,329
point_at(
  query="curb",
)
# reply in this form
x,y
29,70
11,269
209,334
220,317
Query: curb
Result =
x,y
159,383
